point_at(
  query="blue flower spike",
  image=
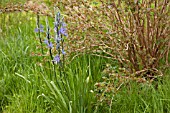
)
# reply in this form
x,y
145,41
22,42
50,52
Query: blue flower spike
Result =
x,y
60,31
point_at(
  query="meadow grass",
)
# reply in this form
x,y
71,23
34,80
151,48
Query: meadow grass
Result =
x,y
27,85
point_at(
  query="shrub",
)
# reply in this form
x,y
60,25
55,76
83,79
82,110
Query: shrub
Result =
x,y
136,33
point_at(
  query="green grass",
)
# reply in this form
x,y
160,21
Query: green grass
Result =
x,y
143,98
27,87
4,2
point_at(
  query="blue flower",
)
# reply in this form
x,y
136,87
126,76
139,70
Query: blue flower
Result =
x,y
49,45
59,39
63,31
39,29
36,30
41,26
55,29
57,58
46,41
63,52
63,24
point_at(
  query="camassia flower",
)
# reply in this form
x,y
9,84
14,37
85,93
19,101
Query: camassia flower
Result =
x,y
49,45
41,29
63,24
57,59
63,31
60,32
58,39
63,52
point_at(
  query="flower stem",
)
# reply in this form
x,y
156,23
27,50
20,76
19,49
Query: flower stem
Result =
x,y
39,35
50,49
